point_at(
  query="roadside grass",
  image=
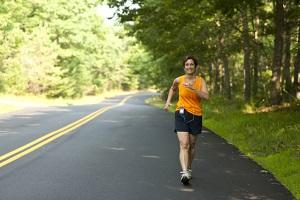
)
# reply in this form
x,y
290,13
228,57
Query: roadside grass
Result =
x,y
9,103
5,108
272,138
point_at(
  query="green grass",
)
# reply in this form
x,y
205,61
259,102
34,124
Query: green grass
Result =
x,y
5,108
272,139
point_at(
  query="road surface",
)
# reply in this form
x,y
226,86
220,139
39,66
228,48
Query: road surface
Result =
x,y
129,152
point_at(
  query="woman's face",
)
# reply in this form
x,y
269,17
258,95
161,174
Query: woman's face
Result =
x,y
189,67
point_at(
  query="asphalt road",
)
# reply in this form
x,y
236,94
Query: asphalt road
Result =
x,y
127,153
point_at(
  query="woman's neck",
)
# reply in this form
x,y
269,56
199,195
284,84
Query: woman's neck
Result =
x,y
190,76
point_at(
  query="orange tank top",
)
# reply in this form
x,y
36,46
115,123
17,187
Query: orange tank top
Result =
x,y
189,99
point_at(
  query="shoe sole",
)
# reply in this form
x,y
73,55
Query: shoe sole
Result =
x,y
185,181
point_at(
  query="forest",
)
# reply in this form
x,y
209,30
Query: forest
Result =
x,y
64,49
246,49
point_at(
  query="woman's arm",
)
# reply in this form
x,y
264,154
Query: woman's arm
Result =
x,y
203,93
172,91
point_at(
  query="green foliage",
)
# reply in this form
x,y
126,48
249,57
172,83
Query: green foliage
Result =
x,y
213,31
246,127
38,57
63,48
12,79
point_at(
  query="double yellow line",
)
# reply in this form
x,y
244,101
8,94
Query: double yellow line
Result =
x,y
38,143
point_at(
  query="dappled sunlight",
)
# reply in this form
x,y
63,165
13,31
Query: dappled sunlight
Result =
x,y
108,103
186,190
246,156
151,156
24,117
205,131
228,172
115,148
28,114
33,125
111,100
273,108
181,189
3,133
44,112
58,109
255,197
240,193
216,110
248,109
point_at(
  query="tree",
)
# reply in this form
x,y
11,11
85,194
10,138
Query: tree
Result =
x,y
63,48
277,56
297,66
246,49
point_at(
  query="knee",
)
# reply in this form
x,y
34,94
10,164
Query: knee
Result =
x,y
192,145
185,146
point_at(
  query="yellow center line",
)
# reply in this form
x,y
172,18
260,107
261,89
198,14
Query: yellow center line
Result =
x,y
46,136
38,143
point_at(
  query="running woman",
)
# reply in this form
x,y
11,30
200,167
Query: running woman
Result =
x,y
188,116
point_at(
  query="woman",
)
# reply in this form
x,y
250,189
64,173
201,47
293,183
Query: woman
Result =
x,y
188,115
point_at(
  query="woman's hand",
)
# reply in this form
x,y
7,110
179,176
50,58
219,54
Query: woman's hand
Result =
x,y
189,86
167,105
201,93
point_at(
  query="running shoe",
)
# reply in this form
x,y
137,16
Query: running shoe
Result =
x,y
184,178
189,173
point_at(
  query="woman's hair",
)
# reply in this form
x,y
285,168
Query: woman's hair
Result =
x,y
192,58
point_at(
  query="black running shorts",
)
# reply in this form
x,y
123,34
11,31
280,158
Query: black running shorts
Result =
x,y
188,122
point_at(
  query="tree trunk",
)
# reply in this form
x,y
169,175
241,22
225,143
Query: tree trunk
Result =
x,y
217,79
224,58
255,59
297,66
286,74
246,49
210,74
277,56
227,78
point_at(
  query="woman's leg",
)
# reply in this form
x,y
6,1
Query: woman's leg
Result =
x,y
184,144
192,149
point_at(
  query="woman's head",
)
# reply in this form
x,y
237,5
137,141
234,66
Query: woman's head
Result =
x,y
190,64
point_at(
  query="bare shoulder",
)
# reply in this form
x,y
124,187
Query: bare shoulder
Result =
x,y
202,79
175,83
176,80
